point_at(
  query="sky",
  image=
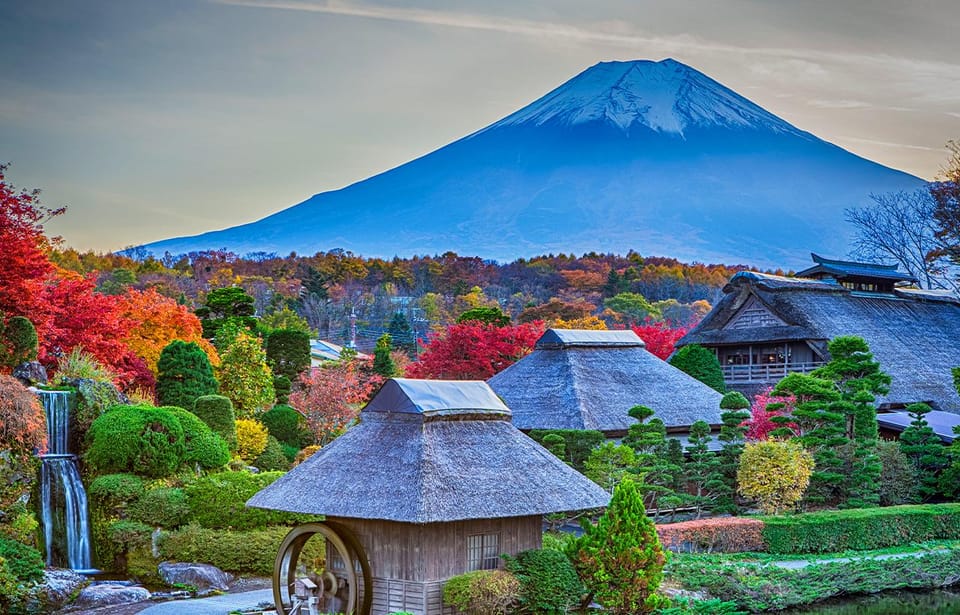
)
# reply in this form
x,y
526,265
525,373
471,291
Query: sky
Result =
x,y
151,119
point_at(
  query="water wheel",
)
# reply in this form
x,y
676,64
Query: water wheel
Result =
x,y
340,590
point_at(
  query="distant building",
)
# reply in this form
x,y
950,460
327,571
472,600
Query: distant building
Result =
x,y
767,326
583,379
322,351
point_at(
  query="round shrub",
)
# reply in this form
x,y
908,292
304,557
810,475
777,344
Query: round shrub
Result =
x,y
217,412
290,452
22,560
251,439
549,584
201,445
272,458
112,492
284,423
164,507
483,592
218,501
251,552
138,439
21,338
700,363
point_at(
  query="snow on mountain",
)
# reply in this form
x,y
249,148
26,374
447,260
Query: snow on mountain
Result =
x,y
650,156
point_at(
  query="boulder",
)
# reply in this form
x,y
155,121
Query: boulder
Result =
x,y
107,593
59,585
204,577
30,373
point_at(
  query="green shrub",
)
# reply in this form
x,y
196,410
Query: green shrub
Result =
x,y
164,507
288,352
872,528
139,439
20,338
700,363
217,412
13,594
283,423
483,592
899,483
578,443
22,560
290,452
251,552
119,540
201,445
272,459
281,389
549,585
218,501
114,492
559,541
184,373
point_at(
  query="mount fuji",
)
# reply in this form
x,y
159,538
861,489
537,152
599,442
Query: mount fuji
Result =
x,y
650,156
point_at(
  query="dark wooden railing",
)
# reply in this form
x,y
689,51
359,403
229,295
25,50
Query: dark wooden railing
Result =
x,y
765,372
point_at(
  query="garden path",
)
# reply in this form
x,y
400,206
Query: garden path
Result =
x,y
796,564
214,605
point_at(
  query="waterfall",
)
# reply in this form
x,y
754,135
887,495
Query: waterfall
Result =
x,y
63,501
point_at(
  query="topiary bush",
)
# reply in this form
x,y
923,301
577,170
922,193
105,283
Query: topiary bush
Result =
x,y
22,560
163,507
251,439
715,535
483,592
549,584
113,493
281,389
217,412
139,439
201,445
700,363
20,339
284,423
219,501
775,474
184,373
251,552
272,458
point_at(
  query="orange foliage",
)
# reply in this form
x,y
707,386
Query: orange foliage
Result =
x,y
720,534
584,280
22,424
157,321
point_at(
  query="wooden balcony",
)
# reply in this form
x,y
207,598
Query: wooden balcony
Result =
x,y
765,372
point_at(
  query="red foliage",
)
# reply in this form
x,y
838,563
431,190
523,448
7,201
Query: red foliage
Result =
x,y
660,337
719,534
759,424
330,397
474,351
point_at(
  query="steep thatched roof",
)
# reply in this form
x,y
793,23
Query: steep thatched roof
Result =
x,y
914,334
590,379
428,451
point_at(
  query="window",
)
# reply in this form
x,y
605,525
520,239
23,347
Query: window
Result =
x,y
483,552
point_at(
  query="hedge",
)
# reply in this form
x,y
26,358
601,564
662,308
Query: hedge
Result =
x,y
202,446
218,501
716,535
251,552
139,439
861,529
217,412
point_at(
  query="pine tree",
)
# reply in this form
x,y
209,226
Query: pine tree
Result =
x,y
732,437
923,446
620,559
659,467
383,363
184,373
288,352
401,335
702,468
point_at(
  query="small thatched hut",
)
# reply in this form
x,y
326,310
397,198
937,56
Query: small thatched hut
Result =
x,y
435,481
580,379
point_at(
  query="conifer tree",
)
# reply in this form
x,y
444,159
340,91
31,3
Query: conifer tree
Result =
x,y
700,363
620,559
184,373
732,437
702,468
401,335
383,363
923,446
660,471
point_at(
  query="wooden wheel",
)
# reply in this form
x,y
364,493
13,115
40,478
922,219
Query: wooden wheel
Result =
x,y
351,554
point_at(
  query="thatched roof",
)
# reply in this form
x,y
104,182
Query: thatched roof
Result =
x,y
590,379
942,423
432,451
914,334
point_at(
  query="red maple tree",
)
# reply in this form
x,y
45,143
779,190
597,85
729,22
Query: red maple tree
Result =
x,y
330,397
474,351
660,336
759,424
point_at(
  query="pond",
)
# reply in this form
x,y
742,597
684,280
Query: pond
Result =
x,y
945,602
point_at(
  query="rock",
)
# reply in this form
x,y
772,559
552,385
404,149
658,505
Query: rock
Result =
x,y
60,585
107,593
202,576
30,373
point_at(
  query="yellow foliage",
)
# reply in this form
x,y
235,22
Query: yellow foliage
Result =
x,y
251,439
305,454
775,474
586,322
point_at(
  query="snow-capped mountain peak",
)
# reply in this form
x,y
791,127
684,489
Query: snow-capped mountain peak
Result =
x,y
665,96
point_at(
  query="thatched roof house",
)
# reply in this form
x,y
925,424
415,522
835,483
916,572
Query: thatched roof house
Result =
x,y
434,481
767,326
579,379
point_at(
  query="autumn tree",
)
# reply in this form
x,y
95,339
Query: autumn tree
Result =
x,y
22,435
775,474
245,378
946,195
156,321
632,307
474,351
660,337
763,409
330,397
557,309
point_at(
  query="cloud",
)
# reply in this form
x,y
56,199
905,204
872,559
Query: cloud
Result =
x,y
855,104
890,144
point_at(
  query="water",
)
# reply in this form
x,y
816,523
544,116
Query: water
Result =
x,y
941,602
64,515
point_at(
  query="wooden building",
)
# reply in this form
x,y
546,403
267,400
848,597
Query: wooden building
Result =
x,y
434,481
767,326
585,379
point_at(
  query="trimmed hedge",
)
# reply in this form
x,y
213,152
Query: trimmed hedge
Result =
x,y
549,584
219,501
251,552
716,535
273,458
164,507
139,439
483,592
863,529
283,423
202,446
114,492
217,412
